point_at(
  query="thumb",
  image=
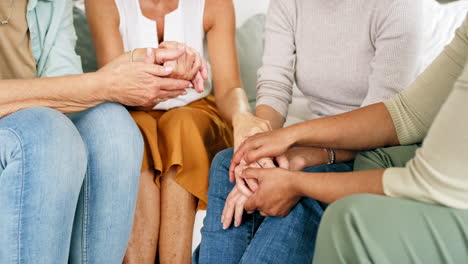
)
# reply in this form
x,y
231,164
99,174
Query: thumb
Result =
x,y
168,54
251,204
252,173
283,162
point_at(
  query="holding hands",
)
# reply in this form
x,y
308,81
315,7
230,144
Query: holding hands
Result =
x,y
260,185
245,125
146,77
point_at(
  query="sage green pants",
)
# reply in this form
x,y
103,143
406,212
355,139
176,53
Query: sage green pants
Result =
x,y
377,229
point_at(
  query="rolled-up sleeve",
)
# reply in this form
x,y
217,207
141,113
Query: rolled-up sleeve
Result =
x,y
276,76
62,59
434,109
439,172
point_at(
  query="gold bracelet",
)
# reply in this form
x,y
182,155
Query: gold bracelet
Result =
x,y
131,55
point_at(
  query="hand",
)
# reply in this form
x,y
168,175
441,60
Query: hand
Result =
x,y
191,66
262,145
246,125
234,206
141,83
297,159
276,194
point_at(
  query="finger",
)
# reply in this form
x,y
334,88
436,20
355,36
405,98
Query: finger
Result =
x,y
229,213
198,83
167,54
252,184
228,199
236,162
196,66
204,70
171,94
260,152
266,163
263,214
169,84
239,211
253,173
283,162
252,142
156,70
150,58
172,64
169,44
242,187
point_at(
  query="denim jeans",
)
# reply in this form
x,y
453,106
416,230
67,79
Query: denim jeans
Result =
x,y
68,185
258,239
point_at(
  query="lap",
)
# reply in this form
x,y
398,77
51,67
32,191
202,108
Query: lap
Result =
x,y
382,158
379,229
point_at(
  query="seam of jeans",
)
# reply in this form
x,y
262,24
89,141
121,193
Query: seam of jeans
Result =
x,y
84,246
252,234
18,246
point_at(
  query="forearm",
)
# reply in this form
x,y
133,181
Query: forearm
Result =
x,y
365,128
66,94
268,113
232,103
329,187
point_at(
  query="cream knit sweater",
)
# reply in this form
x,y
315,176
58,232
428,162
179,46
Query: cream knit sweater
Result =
x,y
435,110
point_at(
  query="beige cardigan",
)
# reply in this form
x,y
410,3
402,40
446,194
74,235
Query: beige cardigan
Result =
x,y
434,110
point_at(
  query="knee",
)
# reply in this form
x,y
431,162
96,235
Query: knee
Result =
x,y
113,140
181,118
48,141
343,214
219,172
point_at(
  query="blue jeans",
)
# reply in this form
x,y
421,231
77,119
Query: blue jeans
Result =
x,y
259,239
68,185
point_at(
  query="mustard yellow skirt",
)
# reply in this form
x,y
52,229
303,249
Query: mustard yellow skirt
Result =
x,y
186,138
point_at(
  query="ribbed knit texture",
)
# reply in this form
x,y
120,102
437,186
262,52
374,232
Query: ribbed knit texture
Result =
x,y
433,109
342,54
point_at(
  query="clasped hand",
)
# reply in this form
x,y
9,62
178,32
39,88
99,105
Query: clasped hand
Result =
x,y
148,76
260,185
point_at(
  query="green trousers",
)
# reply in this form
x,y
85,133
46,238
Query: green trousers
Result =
x,y
377,229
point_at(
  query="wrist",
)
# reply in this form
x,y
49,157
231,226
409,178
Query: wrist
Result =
x,y
239,117
293,136
295,181
102,85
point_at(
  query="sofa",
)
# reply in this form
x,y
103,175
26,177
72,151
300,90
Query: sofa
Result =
x,y
441,21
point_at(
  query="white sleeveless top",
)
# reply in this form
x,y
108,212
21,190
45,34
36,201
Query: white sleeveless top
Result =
x,y
184,25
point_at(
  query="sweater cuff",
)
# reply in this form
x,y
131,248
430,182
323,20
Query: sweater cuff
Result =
x,y
277,104
407,132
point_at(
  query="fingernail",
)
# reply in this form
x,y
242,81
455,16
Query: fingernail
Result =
x,y
224,227
190,85
181,47
168,69
149,52
184,93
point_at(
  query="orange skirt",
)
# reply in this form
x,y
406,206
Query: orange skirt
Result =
x,y
186,138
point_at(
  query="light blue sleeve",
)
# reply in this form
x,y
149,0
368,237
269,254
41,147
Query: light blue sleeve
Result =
x,y
62,59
